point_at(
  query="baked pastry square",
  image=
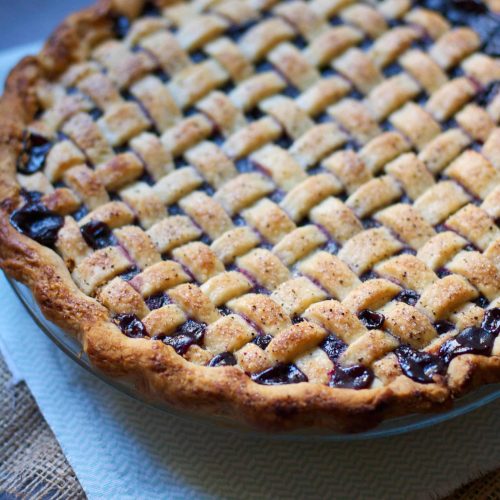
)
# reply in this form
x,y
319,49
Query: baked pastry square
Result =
x,y
285,212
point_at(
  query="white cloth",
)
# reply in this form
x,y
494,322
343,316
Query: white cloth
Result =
x,y
122,449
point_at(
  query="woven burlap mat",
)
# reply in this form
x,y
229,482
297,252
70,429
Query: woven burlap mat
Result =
x,y
32,464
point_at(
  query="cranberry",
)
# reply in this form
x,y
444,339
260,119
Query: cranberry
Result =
x,y
352,377
98,235
409,297
32,157
262,340
280,374
38,222
419,366
491,321
472,340
371,319
158,300
333,347
131,326
223,359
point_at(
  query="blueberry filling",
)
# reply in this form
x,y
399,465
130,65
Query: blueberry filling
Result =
x,y
121,26
333,346
223,359
262,341
482,301
31,196
370,223
491,321
34,153
442,272
369,275
488,93
36,221
371,319
225,311
158,300
419,366
280,374
191,332
150,9
351,377
297,319
131,326
98,235
409,297
80,213
131,273
472,340
95,114
443,327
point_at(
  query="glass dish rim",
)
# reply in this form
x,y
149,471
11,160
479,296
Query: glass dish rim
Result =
x,y
390,427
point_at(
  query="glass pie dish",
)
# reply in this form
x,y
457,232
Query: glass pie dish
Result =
x,y
70,346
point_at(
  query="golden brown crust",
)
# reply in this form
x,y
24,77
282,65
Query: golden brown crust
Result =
x,y
155,368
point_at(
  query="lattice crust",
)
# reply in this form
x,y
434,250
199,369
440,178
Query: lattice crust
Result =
x,y
268,172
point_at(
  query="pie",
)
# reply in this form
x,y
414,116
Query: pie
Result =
x,y
282,212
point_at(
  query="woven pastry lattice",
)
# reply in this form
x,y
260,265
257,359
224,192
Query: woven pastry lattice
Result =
x,y
306,190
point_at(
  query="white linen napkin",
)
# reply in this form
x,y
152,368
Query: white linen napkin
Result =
x,y
120,448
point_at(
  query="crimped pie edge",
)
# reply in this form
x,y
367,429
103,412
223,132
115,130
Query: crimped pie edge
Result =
x,y
157,371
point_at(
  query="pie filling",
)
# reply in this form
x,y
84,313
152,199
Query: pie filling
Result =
x,y
308,191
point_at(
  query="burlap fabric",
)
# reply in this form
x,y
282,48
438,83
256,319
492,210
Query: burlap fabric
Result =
x,y
32,465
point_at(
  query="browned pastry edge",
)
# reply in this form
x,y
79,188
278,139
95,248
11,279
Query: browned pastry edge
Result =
x,y
157,371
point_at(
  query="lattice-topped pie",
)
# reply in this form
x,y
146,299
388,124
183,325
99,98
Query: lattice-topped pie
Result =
x,y
285,212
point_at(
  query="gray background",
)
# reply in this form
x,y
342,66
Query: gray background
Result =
x,y
25,21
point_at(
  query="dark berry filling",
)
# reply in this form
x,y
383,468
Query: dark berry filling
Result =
x,y
32,157
371,319
491,321
38,222
80,213
223,359
472,340
191,332
121,26
488,93
333,346
443,327
131,273
280,374
158,300
482,301
369,275
352,377
419,366
262,341
225,311
131,326
409,297
98,235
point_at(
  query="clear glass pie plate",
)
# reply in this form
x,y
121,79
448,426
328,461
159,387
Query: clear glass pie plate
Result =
x,y
73,349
